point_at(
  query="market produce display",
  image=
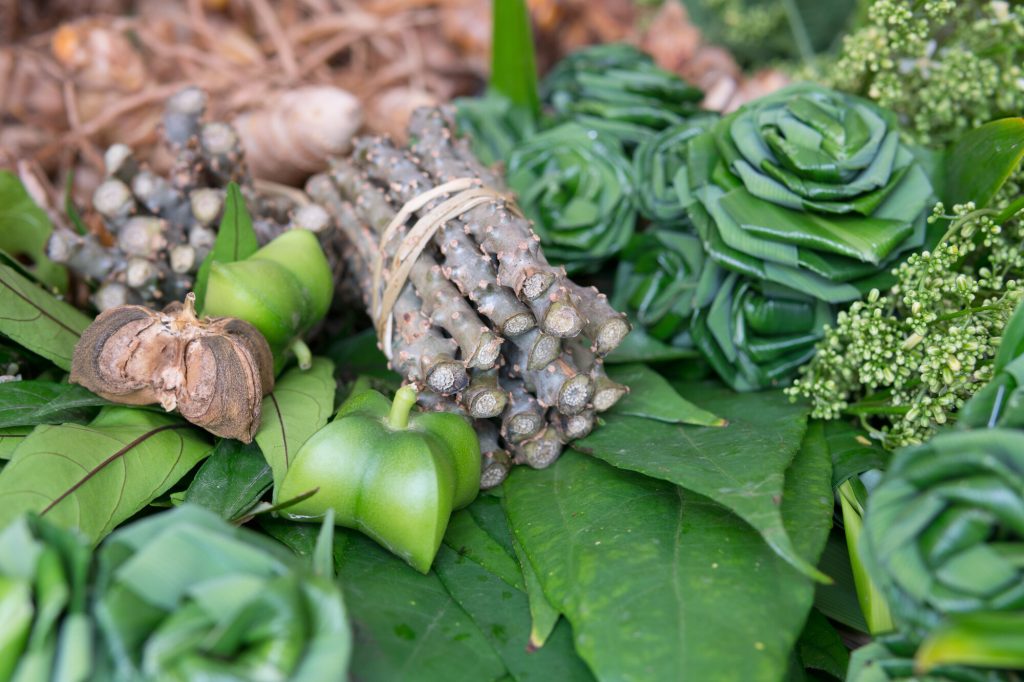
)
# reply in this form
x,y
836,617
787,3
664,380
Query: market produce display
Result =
x,y
468,340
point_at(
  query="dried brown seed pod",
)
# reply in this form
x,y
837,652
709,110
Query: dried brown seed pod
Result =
x,y
214,371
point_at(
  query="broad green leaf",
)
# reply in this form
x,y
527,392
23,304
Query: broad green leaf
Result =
x,y
652,397
852,451
36,320
24,230
299,406
982,161
741,466
93,477
990,640
543,616
357,355
467,539
502,614
27,403
10,438
513,66
405,624
231,480
839,601
660,583
639,346
821,648
236,240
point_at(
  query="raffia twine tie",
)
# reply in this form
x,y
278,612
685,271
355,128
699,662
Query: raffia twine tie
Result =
x,y
468,194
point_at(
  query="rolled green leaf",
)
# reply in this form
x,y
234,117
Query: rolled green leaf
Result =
x,y
578,188
755,334
493,124
183,595
811,189
618,90
658,163
891,659
661,280
944,531
45,631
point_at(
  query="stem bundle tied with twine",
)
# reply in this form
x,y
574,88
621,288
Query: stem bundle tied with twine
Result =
x,y
464,302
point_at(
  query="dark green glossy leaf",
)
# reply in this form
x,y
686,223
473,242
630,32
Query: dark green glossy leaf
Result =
x,y
839,601
502,614
236,240
742,466
513,66
466,538
36,320
24,230
982,160
95,476
231,480
821,648
652,397
852,451
300,405
27,403
639,346
660,583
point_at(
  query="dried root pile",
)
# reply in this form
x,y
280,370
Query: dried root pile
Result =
x,y
485,324
148,233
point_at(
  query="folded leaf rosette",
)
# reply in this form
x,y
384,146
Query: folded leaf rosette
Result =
x,y
944,541
578,188
493,124
183,595
811,189
661,280
755,334
618,90
45,632
891,659
658,164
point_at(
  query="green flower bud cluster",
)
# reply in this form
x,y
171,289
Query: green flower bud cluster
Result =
x,y
905,361
943,66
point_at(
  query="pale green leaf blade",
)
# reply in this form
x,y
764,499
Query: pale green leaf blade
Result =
x,y
299,406
10,438
27,403
741,466
982,160
543,616
652,397
25,230
513,65
95,476
36,320
658,583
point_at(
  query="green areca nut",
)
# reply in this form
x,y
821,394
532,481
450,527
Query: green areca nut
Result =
x,y
944,538
283,289
578,188
393,475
